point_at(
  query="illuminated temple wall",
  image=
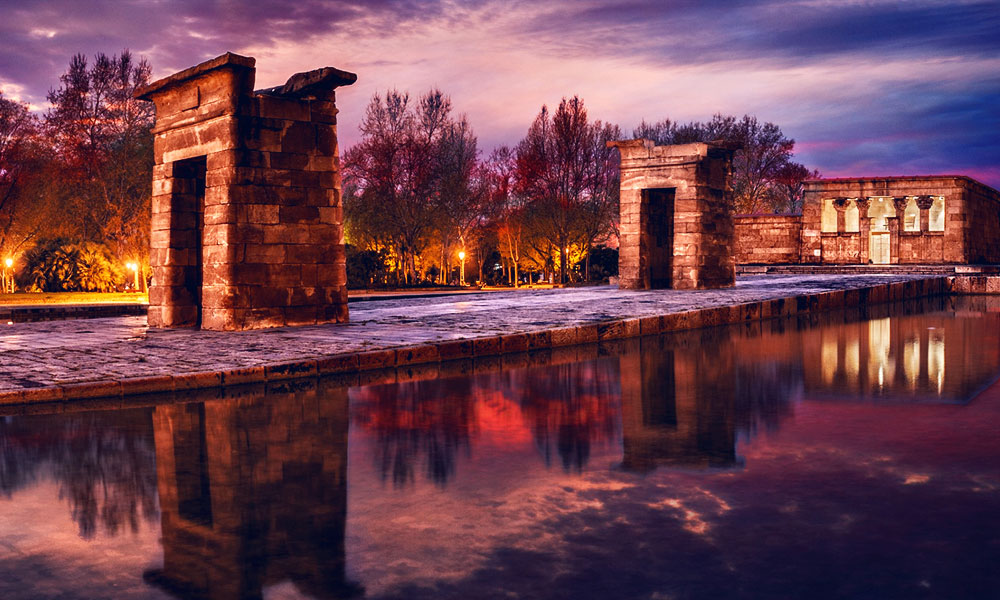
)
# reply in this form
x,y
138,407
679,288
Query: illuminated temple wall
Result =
x,y
890,220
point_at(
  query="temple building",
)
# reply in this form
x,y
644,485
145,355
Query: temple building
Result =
x,y
927,220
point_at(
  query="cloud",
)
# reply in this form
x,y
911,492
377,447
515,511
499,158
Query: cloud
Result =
x,y
873,85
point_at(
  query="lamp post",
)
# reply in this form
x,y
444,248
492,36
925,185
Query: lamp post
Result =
x,y
461,272
135,272
8,278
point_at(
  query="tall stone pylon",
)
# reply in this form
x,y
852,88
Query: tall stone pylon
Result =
x,y
247,223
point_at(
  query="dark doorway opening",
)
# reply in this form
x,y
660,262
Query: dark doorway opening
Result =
x,y
659,235
194,491
186,230
659,393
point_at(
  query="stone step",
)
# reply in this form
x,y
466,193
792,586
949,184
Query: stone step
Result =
x,y
866,269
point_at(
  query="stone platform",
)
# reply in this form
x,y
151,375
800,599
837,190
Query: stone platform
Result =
x,y
59,361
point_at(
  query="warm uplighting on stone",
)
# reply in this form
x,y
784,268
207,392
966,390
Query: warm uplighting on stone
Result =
x,y
246,226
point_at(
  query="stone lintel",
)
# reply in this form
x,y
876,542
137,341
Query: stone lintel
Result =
x,y
644,149
228,59
311,83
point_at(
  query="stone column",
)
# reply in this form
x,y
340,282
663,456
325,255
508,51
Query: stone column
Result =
x,y
895,227
840,205
924,204
691,182
864,229
247,218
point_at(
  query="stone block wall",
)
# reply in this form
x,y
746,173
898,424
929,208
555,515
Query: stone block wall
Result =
x,y
694,247
247,219
982,222
767,239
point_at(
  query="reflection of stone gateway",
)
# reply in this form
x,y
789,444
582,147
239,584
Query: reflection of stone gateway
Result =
x,y
253,492
247,225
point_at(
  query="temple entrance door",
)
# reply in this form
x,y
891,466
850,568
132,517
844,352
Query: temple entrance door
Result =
x,y
660,236
878,248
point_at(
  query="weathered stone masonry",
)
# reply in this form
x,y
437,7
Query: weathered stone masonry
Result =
x,y
247,219
941,219
676,222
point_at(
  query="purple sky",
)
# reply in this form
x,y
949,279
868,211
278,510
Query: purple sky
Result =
x,y
865,88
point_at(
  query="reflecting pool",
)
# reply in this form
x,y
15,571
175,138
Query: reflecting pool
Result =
x,y
843,456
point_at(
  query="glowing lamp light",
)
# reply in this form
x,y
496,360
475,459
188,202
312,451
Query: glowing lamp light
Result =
x,y
134,267
9,262
461,277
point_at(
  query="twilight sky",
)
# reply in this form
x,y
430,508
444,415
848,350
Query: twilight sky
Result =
x,y
865,88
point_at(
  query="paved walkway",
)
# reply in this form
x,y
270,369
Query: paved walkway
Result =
x,y
57,353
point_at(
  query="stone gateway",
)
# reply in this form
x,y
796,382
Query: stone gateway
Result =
x,y
676,221
247,216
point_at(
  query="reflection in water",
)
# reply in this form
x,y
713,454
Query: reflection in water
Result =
x,y
408,427
253,493
101,461
903,357
688,465
567,407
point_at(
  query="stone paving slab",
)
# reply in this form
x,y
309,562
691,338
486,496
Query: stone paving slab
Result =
x,y
59,360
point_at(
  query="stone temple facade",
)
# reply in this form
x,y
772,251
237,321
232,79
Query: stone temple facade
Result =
x,y
924,220
676,221
247,219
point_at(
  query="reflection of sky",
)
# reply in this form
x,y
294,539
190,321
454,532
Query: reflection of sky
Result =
x,y
867,88
42,554
836,503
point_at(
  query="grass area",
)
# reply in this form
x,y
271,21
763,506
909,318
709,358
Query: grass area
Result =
x,y
72,298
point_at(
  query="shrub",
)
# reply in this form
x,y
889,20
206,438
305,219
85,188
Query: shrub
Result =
x,y
366,268
62,265
603,262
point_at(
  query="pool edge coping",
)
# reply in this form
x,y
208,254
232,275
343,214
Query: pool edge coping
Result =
x,y
402,356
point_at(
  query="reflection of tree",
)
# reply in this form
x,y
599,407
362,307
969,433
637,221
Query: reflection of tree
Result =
x,y
568,407
430,418
103,462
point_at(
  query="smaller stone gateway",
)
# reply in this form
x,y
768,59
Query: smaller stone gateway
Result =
x,y
247,217
676,216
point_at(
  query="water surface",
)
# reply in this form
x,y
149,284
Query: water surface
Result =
x,y
844,456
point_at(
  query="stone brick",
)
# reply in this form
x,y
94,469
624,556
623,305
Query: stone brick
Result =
x,y
417,354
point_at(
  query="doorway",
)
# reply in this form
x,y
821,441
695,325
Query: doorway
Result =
x,y
879,247
660,235
187,211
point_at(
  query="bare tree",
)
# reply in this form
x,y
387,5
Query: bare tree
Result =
x,y
17,129
101,135
565,171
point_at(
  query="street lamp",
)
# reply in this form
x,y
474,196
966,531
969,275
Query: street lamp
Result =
x,y
461,276
135,271
8,278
